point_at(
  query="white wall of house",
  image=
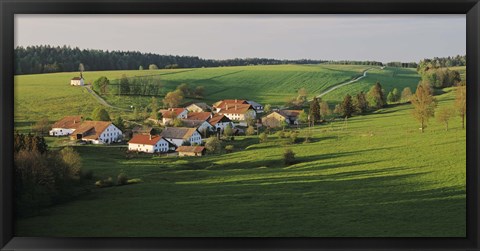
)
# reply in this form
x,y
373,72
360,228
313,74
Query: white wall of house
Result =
x,y
60,132
160,146
111,134
222,125
182,115
238,116
77,82
195,138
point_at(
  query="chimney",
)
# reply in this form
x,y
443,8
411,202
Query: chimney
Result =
x,y
235,100
226,107
150,136
211,115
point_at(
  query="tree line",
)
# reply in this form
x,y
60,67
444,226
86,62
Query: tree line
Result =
x,y
47,59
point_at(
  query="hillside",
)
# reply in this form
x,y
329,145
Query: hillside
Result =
x,y
349,181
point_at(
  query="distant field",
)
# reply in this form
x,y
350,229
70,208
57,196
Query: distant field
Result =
x,y
375,176
51,94
389,78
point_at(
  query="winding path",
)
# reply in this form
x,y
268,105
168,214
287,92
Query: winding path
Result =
x,y
345,83
101,100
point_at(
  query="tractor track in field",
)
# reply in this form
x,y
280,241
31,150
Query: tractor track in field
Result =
x,y
101,100
345,83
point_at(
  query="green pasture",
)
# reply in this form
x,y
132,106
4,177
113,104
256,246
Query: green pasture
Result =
x,y
376,175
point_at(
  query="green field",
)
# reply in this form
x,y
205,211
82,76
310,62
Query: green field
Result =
x,y
51,94
376,175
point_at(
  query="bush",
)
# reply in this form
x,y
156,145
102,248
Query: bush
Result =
x,y
122,179
280,134
229,148
293,137
288,157
213,145
104,183
250,131
263,137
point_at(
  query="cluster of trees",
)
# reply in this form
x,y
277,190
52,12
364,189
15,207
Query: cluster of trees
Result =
x,y
402,64
175,98
137,86
440,77
44,177
441,62
424,104
353,62
46,59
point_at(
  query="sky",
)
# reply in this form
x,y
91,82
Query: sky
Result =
x,y
382,38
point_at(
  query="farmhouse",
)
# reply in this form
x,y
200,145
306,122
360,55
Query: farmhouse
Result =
x,y
198,107
226,102
237,112
179,135
173,113
191,151
66,126
148,144
97,132
77,81
219,122
276,118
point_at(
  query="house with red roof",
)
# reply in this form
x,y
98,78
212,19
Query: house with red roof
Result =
x,y
97,132
77,81
219,122
66,126
173,113
149,144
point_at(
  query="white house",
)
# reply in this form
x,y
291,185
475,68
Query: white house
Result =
x,y
219,122
201,126
98,132
178,135
66,126
238,112
77,81
148,144
173,113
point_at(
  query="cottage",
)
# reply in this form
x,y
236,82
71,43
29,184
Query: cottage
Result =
x,y
173,113
219,122
191,151
148,143
98,132
77,81
66,126
179,135
222,104
198,107
276,118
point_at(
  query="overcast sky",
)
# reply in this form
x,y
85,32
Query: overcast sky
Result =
x,y
356,37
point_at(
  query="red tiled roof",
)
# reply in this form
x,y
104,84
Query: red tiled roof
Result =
x,y
92,129
171,112
236,109
70,122
218,118
145,139
223,103
190,149
203,116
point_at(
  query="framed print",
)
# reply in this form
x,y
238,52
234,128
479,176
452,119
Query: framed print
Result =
x,y
239,125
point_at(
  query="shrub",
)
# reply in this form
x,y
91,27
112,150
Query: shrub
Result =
x,y
229,148
122,179
288,157
250,131
280,134
213,145
293,137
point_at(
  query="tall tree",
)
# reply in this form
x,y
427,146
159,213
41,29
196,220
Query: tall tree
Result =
x,y
324,110
42,126
314,113
154,108
100,85
376,96
406,94
461,103
173,99
444,114
424,104
396,95
347,106
361,103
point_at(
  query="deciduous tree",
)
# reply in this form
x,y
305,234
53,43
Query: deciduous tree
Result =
x,y
347,106
461,103
424,104
444,114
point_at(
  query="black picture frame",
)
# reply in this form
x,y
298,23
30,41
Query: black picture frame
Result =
x,y
8,8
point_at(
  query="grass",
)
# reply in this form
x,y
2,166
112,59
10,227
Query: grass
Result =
x,y
51,95
375,176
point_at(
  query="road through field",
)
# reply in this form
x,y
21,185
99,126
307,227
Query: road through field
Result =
x,y
101,100
346,83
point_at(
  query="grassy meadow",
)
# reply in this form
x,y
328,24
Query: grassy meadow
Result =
x,y
373,176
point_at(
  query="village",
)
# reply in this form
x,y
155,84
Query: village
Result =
x,y
184,129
